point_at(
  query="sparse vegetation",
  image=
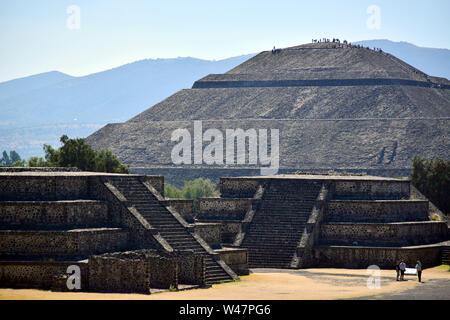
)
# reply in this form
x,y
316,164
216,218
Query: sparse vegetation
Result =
x,y
435,217
192,190
172,288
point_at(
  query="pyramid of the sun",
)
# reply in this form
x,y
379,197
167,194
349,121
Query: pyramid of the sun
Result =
x,y
336,107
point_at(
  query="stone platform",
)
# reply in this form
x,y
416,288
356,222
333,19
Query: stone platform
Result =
x,y
52,220
294,221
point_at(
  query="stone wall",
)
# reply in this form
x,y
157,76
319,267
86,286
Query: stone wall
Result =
x,y
236,259
132,271
229,230
191,268
53,214
222,208
379,210
156,182
383,234
77,243
184,207
210,232
177,175
370,189
43,187
362,257
110,274
238,187
38,274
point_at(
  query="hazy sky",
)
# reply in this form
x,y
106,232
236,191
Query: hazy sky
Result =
x,y
40,36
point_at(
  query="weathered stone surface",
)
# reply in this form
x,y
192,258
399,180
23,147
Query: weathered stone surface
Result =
x,y
53,214
236,258
376,210
210,232
383,234
61,244
39,274
220,208
184,207
384,257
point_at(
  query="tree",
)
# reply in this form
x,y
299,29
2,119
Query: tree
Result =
x,y
14,156
19,163
36,162
76,153
432,178
5,160
105,161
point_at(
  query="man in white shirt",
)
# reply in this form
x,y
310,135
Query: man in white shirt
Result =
x,y
402,266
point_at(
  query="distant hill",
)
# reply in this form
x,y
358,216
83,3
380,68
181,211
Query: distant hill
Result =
x,y
40,108
14,88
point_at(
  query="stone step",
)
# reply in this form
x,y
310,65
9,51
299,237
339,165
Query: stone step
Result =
x,y
168,226
277,226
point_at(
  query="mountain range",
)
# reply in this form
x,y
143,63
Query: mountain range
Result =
x,y
40,108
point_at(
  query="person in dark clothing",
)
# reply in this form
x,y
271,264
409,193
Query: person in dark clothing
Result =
x,y
419,270
397,269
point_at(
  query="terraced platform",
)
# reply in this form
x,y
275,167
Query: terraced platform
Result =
x,y
337,221
51,220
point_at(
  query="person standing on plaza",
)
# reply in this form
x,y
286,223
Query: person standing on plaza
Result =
x,y
397,269
402,266
419,270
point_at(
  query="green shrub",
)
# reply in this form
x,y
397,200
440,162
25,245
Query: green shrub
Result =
x,y
432,179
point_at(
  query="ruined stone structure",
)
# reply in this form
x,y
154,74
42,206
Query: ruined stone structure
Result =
x,y
296,221
322,97
117,229
124,236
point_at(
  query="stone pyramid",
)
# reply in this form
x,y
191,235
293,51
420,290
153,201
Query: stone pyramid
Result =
x,y
336,106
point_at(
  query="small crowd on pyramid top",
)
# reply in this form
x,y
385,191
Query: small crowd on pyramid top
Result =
x,y
336,41
349,44
343,44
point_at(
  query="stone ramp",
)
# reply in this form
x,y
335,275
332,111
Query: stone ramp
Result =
x,y
277,227
172,229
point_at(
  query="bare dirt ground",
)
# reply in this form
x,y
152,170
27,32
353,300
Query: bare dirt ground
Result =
x,y
276,284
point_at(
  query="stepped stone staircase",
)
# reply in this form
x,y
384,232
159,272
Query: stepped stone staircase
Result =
x,y
278,225
445,255
172,229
